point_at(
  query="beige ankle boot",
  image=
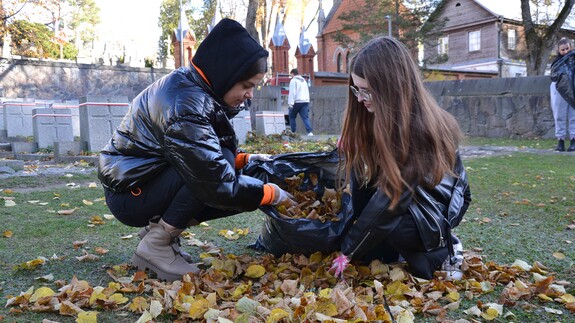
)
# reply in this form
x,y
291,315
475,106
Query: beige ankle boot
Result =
x,y
156,253
175,244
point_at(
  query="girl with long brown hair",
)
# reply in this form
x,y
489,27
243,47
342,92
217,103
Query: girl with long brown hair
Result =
x,y
395,139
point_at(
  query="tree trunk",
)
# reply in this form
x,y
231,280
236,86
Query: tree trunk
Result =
x,y
541,40
251,19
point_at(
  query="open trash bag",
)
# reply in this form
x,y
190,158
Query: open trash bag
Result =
x,y
563,73
281,235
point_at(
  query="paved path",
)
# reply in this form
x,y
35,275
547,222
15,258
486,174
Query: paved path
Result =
x,y
50,168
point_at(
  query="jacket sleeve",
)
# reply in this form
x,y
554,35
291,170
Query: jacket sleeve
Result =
x,y
292,92
374,223
193,147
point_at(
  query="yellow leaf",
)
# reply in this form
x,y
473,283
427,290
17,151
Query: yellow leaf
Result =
x,y
92,185
198,308
325,293
7,234
138,305
277,315
559,255
118,298
255,271
453,296
240,290
40,293
326,307
568,298
545,297
86,202
8,191
490,314
87,317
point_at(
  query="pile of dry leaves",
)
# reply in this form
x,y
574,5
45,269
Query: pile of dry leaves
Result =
x,y
295,288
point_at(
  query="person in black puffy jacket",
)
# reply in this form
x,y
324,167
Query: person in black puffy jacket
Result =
x,y
400,155
173,160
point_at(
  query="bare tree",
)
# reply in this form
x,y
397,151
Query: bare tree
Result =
x,y
541,37
251,19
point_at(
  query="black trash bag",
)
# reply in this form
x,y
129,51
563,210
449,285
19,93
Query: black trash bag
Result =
x,y
280,235
563,73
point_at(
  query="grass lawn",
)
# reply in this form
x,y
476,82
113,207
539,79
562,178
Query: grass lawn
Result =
x,y
523,206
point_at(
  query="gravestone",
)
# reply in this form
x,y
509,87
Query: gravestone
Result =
x,y
242,125
75,111
99,118
52,125
270,122
18,118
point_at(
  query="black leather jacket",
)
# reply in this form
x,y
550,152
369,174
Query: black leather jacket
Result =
x,y
176,122
375,221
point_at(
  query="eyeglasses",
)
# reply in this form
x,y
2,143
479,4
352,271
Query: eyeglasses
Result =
x,y
360,93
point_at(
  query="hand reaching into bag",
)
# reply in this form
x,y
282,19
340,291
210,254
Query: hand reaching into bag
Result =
x,y
281,197
261,157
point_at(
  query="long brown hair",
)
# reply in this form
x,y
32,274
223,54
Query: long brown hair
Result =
x,y
408,140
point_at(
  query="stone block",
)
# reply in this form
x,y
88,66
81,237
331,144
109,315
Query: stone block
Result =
x,y
14,164
270,122
20,147
74,110
18,118
242,125
52,125
99,118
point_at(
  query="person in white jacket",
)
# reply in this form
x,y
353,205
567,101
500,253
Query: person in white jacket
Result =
x,y
298,102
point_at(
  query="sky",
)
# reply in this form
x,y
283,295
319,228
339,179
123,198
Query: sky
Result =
x,y
139,29
133,23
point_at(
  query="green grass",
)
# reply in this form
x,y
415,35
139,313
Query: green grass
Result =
x,y
523,143
521,206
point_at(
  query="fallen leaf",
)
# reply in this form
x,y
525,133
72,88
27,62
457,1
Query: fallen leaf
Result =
x,y
559,255
67,212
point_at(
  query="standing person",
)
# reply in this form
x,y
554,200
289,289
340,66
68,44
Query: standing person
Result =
x,y
172,161
563,113
395,141
298,102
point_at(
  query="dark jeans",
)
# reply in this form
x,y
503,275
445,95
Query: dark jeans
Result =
x,y
166,197
303,110
405,240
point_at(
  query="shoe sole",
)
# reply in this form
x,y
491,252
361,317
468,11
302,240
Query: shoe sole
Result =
x,y
143,264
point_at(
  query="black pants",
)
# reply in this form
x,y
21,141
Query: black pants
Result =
x,y
405,240
166,197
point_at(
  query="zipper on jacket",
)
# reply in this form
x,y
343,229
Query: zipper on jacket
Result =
x,y
359,244
441,241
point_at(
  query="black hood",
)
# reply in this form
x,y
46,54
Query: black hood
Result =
x,y
226,54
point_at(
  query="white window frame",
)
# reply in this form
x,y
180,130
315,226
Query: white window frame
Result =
x,y
474,40
443,45
511,39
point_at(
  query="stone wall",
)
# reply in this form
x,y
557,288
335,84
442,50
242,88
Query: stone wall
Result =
x,y
498,108
62,81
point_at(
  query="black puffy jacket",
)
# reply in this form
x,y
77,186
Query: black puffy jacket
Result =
x,y
176,122
375,220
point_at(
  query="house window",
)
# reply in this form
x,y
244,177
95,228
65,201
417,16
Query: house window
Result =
x,y
443,45
511,36
339,63
474,40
